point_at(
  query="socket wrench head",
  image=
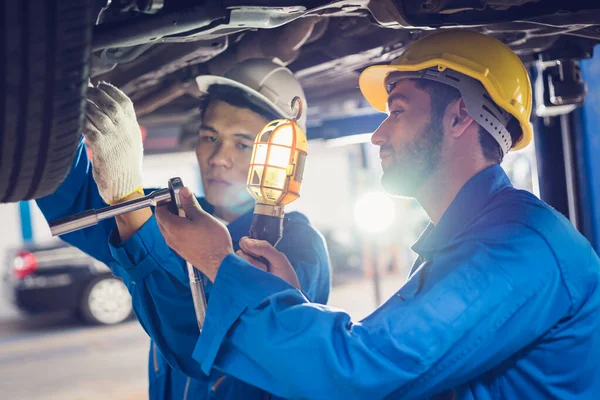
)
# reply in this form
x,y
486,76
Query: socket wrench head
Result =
x,y
175,186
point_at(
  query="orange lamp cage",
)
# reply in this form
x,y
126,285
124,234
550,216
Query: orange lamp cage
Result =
x,y
277,165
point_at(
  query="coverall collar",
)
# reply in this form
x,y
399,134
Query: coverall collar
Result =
x,y
472,198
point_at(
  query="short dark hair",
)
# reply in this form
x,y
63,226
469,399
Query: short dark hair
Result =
x,y
234,96
442,95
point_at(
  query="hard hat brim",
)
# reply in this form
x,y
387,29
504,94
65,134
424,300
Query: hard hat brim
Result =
x,y
206,81
372,85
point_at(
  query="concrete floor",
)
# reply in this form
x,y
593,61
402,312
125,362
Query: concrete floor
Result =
x,y
55,357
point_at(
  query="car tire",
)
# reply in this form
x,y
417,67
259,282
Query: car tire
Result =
x,y
44,69
105,301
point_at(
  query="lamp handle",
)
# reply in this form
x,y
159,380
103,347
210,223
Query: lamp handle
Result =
x,y
266,227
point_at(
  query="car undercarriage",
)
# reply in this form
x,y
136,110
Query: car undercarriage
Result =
x,y
153,50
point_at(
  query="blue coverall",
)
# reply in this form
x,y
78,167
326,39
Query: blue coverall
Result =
x,y
301,243
504,303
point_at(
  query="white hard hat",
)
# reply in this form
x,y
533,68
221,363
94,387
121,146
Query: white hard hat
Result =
x,y
270,83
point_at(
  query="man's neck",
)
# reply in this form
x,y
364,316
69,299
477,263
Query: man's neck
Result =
x,y
231,214
441,189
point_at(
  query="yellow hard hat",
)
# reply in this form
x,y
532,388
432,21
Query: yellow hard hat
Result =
x,y
478,56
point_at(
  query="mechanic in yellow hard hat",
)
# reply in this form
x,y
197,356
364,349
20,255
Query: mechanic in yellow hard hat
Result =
x,y
502,303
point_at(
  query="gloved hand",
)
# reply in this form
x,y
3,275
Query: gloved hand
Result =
x,y
115,138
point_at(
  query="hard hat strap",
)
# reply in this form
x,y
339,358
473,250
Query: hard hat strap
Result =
x,y
480,105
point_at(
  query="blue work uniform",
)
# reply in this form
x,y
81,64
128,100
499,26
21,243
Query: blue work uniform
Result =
x,y
504,303
301,243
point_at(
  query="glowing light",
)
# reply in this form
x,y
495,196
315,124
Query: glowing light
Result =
x,y
374,212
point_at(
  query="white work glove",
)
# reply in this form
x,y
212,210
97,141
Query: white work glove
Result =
x,y
115,138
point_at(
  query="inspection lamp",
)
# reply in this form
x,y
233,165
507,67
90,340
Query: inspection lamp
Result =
x,y
275,174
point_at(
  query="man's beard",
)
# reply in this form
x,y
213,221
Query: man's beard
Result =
x,y
417,162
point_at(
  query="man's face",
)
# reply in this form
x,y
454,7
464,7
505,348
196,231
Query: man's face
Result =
x,y
224,150
410,140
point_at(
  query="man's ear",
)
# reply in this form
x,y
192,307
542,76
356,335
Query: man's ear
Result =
x,y
460,119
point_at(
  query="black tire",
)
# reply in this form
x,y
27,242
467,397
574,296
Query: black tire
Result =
x,y
111,314
44,69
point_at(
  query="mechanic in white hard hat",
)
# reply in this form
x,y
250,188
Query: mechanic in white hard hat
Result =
x,y
234,109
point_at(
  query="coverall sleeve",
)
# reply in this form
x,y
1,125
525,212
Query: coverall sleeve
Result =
x,y
79,193
160,292
162,298
471,308
76,194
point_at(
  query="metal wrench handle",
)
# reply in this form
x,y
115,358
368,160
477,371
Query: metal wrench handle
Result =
x,y
198,296
196,283
92,217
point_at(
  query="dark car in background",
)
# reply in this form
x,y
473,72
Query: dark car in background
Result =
x,y
56,277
